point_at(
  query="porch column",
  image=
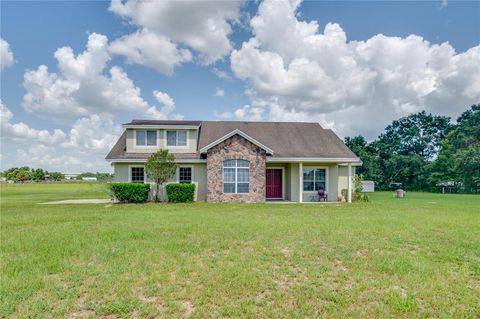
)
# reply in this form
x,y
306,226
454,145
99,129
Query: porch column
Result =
x,y
349,182
300,182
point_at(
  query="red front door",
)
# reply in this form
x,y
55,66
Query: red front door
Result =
x,y
274,183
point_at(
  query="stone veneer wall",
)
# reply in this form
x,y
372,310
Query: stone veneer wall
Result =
x,y
236,147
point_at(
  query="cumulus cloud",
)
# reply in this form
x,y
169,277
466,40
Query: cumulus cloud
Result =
x,y
168,28
81,87
6,54
83,147
308,74
223,75
152,50
166,111
48,157
22,132
93,133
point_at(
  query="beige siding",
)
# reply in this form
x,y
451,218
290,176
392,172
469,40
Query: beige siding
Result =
x,y
332,177
343,178
162,143
336,180
294,180
199,176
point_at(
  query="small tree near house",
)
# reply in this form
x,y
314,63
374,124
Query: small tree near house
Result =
x,y
160,167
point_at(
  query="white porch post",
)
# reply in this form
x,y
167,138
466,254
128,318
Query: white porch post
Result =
x,y
300,182
349,182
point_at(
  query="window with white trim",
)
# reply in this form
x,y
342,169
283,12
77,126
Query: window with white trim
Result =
x,y
137,174
146,137
236,176
314,179
177,138
184,174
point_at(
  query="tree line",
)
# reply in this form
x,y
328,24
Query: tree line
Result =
x,y
424,152
27,174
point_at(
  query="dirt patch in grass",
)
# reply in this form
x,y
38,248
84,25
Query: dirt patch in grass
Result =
x,y
188,308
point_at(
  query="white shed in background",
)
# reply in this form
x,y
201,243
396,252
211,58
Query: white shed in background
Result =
x,y
368,186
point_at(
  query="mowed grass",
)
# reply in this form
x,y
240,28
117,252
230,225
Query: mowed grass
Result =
x,y
417,257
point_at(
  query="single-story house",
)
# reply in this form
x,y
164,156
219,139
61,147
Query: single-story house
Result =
x,y
233,161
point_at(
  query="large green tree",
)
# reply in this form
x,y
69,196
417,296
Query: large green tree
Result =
x,y
404,153
458,162
364,150
160,167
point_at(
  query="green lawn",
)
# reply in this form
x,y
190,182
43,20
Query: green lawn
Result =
x,y
417,257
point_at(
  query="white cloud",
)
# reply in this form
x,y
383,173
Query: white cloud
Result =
x,y
221,74
81,88
166,111
164,26
6,54
307,74
47,157
93,133
83,148
219,92
22,132
152,50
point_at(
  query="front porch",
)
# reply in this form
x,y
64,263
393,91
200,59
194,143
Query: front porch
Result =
x,y
300,182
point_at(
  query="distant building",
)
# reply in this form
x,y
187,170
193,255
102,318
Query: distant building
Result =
x,y
368,186
89,179
70,176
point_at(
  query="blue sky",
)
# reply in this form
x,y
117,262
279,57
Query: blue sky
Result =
x,y
347,77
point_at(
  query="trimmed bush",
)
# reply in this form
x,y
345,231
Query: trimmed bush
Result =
x,y
130,192
180,192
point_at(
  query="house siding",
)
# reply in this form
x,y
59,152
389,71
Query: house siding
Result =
x,y
343,178
161,143
199,176
332,182
337,180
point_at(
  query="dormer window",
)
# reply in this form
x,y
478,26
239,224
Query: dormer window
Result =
x,y
177,138
146,138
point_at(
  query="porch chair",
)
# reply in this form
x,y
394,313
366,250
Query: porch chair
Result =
x,y
322,195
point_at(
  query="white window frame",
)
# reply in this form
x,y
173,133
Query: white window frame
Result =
x,y
130,173
185,166
236,167
176,141
283,179
326,178
147,146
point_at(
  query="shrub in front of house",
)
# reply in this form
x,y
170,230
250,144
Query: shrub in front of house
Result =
x,y
180,192
130,192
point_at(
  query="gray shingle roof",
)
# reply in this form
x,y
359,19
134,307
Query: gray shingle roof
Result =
x,y
163,122
286,139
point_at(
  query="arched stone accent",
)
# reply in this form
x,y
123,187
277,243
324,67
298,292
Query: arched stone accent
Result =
x,y
236,147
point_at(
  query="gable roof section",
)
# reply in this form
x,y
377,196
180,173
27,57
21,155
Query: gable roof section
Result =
x,y
164,122
232,133
285,139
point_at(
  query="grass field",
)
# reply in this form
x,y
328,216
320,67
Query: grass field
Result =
x,y
417,257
